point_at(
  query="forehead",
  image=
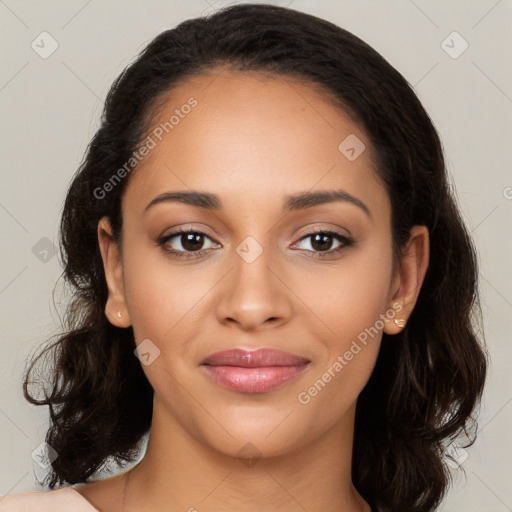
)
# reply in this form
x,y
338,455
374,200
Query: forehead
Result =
x,y
250,135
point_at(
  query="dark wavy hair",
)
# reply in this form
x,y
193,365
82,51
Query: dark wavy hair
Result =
x,y
428,379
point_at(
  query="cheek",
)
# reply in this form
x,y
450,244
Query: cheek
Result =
x,y
161,294
350,301
352,310
349,297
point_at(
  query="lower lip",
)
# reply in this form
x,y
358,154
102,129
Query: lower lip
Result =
x,y
253,380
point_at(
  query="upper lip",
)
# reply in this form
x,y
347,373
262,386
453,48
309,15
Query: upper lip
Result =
x,y
254,358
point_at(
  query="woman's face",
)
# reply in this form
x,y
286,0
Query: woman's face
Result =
x,y
256,274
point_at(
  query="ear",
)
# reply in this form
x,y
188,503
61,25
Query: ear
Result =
x,y
408,278
115,308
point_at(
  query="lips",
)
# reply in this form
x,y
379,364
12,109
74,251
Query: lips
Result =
x,y
255,371
254,359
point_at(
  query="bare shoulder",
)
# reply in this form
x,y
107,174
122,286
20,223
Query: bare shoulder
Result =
x,y
58,500
99,496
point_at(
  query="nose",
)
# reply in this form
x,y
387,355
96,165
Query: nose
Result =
x,y
254,295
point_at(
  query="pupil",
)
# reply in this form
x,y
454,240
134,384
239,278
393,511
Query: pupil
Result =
x,y
191,241
321,242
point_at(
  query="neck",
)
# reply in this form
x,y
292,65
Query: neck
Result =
x,y
179,473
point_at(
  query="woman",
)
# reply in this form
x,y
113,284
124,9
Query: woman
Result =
x,y
264,220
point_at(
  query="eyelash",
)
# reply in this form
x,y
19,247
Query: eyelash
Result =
x,y
345,243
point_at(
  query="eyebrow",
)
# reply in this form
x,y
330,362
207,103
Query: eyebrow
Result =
x,y
299,201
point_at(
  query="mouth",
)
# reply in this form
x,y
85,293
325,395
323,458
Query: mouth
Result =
x,y
255,371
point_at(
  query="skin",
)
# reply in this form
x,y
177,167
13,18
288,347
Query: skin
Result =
x,y
253,140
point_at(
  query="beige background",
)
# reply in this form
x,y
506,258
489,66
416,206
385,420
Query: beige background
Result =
x,y
49,110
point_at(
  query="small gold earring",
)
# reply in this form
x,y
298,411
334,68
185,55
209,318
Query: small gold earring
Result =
x,y
400,322
119,315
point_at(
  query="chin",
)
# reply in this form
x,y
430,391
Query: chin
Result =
x,y
265,432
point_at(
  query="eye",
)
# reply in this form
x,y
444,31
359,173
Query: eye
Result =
x,y
190,243
186,243
320,242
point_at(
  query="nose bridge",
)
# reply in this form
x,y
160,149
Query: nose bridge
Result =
x,y
253,295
